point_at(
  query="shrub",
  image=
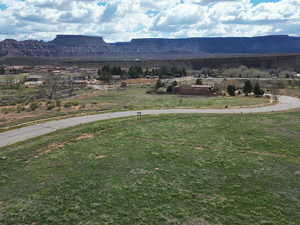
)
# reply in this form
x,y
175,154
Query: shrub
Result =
x,y
174,83
20,108
50,105
199,82
123,84
231,90
68,104
33,106
58,103
159,84
170,89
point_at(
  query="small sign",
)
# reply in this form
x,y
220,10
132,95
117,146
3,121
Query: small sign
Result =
x,y
139,115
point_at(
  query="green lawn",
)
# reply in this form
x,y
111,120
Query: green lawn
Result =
x,y
134,98
172,169
129,99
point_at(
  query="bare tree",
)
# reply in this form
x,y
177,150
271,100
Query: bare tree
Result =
x,y
54,86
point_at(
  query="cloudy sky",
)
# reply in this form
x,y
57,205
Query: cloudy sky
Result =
x,y
122,20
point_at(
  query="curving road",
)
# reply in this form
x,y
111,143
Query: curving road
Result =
x,y
25,133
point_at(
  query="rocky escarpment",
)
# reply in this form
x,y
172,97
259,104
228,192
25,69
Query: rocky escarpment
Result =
x,y
78,46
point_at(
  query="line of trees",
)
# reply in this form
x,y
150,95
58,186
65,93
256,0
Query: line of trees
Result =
x,y
248,88
245,72
106,73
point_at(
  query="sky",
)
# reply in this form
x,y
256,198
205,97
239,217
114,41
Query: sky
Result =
x,y
123,20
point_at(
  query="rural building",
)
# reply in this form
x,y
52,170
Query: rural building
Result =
x,y
33,80
206,90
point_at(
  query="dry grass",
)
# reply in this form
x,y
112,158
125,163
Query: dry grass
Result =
x,y
84,136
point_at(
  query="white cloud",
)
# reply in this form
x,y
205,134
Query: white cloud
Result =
x,y
121,20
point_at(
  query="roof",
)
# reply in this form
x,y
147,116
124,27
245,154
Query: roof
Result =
x,y
34,77
201,86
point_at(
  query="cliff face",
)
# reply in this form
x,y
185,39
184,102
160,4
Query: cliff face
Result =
x,y
77,46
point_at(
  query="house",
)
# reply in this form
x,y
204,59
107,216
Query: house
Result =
x,y
33,80
15,69
206,90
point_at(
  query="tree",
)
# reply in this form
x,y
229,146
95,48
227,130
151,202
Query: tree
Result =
x,y
52,86
258,91
116,71
147,72
174,83
247,89
2,70
158,84
199,82
170,89
105,74
231,90
135,72
183,72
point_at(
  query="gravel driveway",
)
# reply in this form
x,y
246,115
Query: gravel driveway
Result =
x,y
25,133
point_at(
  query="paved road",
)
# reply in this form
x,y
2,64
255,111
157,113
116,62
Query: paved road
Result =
x,y
25,133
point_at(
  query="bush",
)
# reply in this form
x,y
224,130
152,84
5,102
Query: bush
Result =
x,y
58,103
50,105
20,108
159,84
123,84
68,104
231,90
174,83
199,82
170,89
33,106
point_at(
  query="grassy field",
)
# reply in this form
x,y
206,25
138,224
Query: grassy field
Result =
x,y
117,100
136,98
179,169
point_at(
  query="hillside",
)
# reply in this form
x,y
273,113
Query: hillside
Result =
x,y
78,46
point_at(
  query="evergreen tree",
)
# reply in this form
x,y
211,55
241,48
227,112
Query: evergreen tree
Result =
x,y
116,71
135,72
199,82
105,74
248,88
258,91
231,90
2,70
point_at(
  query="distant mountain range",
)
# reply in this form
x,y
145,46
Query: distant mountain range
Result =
x,y
79,46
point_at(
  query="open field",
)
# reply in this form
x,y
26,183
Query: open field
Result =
x,y
179,169
137,98
118,100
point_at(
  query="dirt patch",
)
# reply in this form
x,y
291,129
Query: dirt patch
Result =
x,y
196,221
84,136
268,154
49,149
157,140
140,81
101,156
199,148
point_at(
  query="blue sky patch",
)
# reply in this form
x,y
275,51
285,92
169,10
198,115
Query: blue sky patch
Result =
x,y
262,1
3,6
